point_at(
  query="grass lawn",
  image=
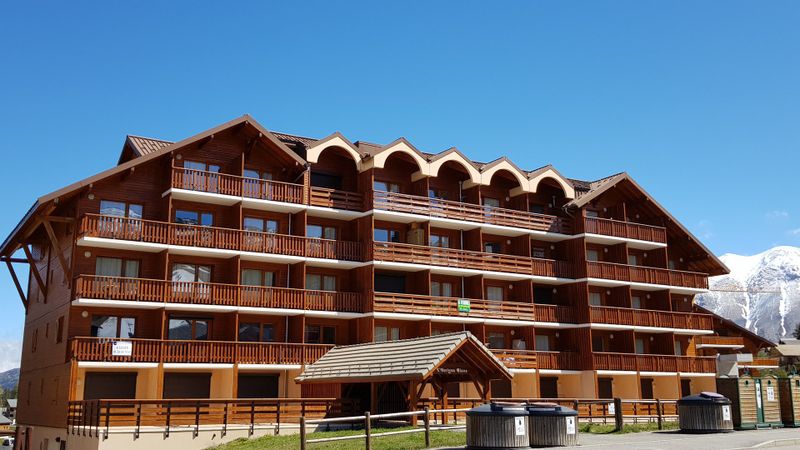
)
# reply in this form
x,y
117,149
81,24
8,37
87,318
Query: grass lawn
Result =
x,y
410,441
628,428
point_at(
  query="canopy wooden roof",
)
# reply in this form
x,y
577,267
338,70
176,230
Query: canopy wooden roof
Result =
x,y
456,356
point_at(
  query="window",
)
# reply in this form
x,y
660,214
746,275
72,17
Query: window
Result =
x,y
197,165
193,273
437,193
386,186
120,209
316,334
491,247
437,240
491,202
441,289
186,217
116,267
189,329
598,344
671,264
678,349
592,213
60,330
383,334
256,332
543,343
538,252
639,346
592,255
496,340
595,299
258,175
317,282
636,302
383,235
260,225
113,327
495,293
633,260
325,180
319,231
538,209
255,277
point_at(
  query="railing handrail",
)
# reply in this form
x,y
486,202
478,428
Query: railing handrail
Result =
x,y
444,297
624,222
458,250
169,341
241,177
634,310
688,272
659,355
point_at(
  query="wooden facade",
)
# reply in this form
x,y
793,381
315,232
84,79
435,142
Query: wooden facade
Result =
x,y
239,252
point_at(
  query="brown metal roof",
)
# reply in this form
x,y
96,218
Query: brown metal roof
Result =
x,y
145,145
407,359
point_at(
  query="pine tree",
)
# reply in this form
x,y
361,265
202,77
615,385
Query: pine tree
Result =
x,y
797,331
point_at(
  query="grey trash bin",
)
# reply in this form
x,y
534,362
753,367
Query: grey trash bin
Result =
x,y
497,426
552,425
707,412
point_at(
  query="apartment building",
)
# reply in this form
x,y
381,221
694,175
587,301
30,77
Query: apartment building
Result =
x,y
219,266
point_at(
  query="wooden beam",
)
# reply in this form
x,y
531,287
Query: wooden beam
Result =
x,y
60,219
16,283
54,242
35,271
14,260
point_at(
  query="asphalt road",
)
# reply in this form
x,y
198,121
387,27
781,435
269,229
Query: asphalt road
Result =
x,y
673,440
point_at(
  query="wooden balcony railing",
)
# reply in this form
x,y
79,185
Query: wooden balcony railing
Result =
x,y
93,417
516,359
651,318
554,313
762,361
434,207
630,230
206,352
557,360
711,341
650,275
237,186
449,306
112,227
466,259
167,291
653,363
338,199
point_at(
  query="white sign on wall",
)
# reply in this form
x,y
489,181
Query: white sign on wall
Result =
x,y
770,394
121,348
726,412
611,409
519,426
570,425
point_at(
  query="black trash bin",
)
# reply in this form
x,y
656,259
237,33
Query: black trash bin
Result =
x,y
707,412
497,426
552,425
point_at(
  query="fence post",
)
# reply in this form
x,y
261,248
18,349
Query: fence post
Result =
x,y
367,430
302,433
618,423
427,420
658,413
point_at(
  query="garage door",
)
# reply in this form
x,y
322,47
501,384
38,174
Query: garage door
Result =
x,y
109,385
258,386
187,385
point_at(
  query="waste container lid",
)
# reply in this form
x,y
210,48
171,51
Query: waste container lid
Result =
x,y
549,410
704,398
499,409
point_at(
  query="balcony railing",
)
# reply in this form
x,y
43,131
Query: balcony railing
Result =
x,y
629,230
651,318
653,363
168,233
205,352
217,294
449,306
762,361
714,341
434,207
466,259
237,186
557,360
554,313
649,275
338,199
516,359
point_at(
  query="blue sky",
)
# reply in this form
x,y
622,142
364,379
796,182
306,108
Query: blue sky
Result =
x,y
699,101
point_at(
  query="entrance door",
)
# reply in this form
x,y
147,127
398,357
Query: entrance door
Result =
x,y
647,388
501,389
548,387
257,386
604,388
759,401
686,388
109,385
187,385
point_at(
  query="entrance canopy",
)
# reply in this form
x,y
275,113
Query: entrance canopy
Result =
x,y
435,360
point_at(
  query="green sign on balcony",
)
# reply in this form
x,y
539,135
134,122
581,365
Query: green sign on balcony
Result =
x,y
463,305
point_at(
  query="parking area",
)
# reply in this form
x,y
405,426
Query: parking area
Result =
x,y
673,440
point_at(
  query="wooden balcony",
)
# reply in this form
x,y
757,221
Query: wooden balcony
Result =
x,y
448,306
337,199
198,352
720,341
554,313
516,359
628,230
168,233
216,294
649,275
651,318
446,209
653,363
762,361
237,186
557,360
466,259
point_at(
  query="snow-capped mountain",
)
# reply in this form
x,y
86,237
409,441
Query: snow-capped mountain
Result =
x,y
766,297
